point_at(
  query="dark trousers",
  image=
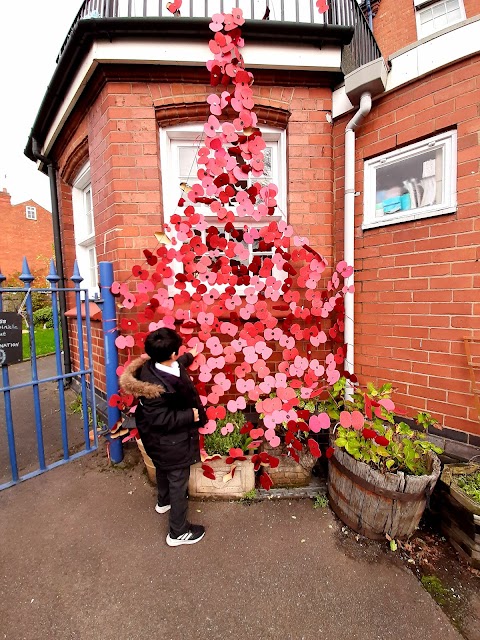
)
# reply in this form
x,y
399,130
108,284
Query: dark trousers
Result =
x,y
172,490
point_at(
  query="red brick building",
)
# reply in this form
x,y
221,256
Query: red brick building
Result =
x,y
25,230
122,114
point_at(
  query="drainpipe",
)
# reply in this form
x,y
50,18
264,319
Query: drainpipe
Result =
x,y
349,221
57,242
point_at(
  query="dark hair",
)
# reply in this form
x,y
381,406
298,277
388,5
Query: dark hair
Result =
x,y
161,343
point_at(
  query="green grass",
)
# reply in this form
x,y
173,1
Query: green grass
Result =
x,y
44,343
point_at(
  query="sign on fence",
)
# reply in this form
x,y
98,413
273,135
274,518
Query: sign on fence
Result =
x,y
10,338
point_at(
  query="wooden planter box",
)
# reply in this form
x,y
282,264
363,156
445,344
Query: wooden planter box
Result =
x,y
243,480
375,504
459,514
289,473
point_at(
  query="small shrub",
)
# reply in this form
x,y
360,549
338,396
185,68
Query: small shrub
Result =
x,y
43,317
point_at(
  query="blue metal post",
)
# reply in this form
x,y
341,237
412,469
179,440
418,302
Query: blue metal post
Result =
x,y
77,279
109,326
27,278
53,278
8,407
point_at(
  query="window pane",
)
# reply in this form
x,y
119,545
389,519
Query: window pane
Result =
x,y
187,162
88,210
452,5
439,9
410,183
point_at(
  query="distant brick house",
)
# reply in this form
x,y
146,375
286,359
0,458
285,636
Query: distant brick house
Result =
x,y
127,102
25,230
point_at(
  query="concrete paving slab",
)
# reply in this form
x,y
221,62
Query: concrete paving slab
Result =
x,y
83,556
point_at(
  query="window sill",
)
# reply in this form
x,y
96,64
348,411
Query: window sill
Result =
x,y
406,217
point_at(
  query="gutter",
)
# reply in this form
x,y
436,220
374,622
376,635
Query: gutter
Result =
x,y
52,175
349,223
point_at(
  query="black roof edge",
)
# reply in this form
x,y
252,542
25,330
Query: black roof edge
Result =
x,y
88,30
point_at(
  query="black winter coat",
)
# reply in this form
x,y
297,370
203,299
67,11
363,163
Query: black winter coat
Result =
x,y
164,415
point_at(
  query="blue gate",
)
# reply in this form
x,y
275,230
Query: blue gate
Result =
x,y
32,419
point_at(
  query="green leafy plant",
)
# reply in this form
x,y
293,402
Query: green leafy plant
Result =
x,y
221,443
367,430
249,497
470,485
320,502
43,317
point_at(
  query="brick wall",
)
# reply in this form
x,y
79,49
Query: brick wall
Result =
x,y
394,25
418,282
21,237
122,130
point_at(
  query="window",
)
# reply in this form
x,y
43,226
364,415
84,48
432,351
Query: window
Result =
x,y
415,182
432,17
178,150
31,213
84,225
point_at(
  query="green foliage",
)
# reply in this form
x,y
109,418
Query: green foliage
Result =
x,y
381,442
76,406
216,443
320,502
249,496
43,317
435,588
470,485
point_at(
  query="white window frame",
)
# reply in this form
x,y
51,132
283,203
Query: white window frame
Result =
x,y
171,137
31,213
446,140
422,5
84,230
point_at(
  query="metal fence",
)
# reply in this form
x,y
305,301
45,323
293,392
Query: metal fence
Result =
x,y
29,377
345,13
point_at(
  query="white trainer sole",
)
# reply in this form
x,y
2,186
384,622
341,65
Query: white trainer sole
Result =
x,y
162,509
174,542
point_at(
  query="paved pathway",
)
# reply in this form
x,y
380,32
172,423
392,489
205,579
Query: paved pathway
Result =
x,y
83,556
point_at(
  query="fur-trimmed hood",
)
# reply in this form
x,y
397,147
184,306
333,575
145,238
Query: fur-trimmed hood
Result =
x,y
129,382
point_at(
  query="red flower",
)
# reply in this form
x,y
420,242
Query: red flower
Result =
x,y
329,452
369,434
382,441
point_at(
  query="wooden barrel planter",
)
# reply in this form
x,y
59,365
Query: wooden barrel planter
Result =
x,y
459,514
375,504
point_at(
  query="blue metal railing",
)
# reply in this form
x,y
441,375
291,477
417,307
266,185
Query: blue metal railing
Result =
x,y
84,374
345,13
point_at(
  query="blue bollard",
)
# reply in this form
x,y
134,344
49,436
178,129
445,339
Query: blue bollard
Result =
x,y
109,324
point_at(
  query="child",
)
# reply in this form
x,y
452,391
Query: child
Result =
x,y
168,415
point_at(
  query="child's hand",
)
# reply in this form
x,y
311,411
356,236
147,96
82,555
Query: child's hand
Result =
x,y
195,351
196,417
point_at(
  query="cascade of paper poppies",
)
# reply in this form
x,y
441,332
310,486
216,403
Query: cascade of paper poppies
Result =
x,y
195,281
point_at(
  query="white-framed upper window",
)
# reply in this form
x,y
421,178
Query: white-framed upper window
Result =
x,y
434,16
178,151
84,227
418,181
31,213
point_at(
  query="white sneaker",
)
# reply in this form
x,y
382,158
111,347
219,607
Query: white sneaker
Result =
x,y
193,535
160,509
